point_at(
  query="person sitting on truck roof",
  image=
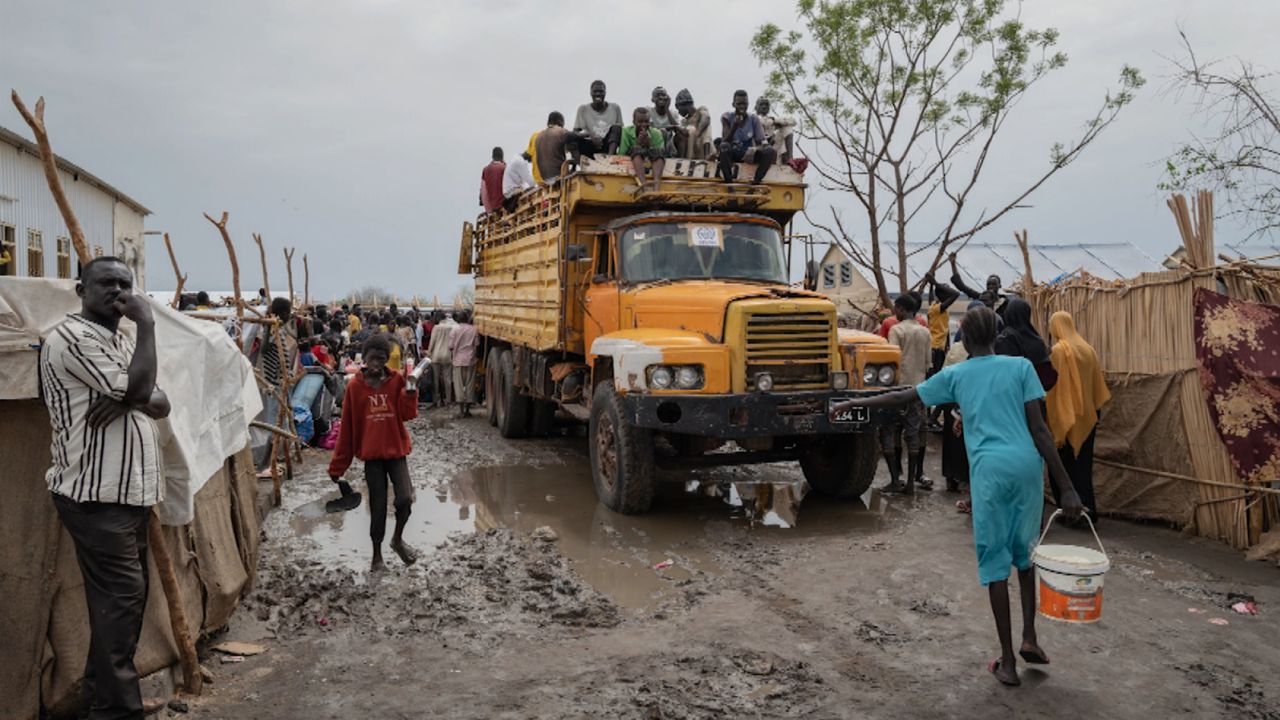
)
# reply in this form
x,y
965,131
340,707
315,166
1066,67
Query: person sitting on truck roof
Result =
x,y
491,182
517,178
664,119
598,125
694,139
549,149
640,142
742,139
777,130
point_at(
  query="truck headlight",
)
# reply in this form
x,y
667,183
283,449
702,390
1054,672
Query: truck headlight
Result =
x,y
869,374
660,377
840,380
764,382
689,377
887,374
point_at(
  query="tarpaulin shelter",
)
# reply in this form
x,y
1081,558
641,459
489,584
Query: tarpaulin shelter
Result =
x,y
1159,454
210,510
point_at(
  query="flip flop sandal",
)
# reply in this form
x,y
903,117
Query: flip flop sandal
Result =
x,y
993,666
963,506
1034,658
343,504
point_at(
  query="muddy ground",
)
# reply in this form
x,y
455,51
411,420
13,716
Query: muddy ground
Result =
x,y
863,609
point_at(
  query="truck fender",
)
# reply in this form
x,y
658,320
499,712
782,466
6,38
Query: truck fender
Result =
x,y
631,357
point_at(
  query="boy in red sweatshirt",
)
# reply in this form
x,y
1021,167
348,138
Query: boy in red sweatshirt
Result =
x,y
377,403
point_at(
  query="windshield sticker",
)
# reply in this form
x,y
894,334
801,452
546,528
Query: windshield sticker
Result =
x,y
638,235
705,236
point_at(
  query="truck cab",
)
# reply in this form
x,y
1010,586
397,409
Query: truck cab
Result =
x,y
676,330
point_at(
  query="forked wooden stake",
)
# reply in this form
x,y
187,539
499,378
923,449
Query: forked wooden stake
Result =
x,y
1028,282
262,255
235,270
182,279
288,266
50,163
306,282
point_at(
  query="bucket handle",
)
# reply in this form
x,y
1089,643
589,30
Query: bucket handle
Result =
x,y
1085,515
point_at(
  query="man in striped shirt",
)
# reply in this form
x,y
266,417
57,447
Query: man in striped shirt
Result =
x,y
100,391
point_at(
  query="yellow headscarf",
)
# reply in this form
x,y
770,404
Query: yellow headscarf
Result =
x,y
1081,391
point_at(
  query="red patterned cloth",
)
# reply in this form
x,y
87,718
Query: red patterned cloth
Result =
x,y
1238,351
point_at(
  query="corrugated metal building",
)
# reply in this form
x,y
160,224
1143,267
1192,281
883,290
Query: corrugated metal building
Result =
x,y
31,228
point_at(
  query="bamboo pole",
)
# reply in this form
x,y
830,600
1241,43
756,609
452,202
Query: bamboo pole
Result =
x,y
50,163
192,680
262,255
306,282
182,279
235,271
288,266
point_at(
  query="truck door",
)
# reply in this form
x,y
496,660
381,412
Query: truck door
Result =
x,y
600,304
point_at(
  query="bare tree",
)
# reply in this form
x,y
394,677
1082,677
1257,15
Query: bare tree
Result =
x,y
49,162
1241,157
901,102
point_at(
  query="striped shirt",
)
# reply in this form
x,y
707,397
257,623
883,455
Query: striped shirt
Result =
x,y
117,463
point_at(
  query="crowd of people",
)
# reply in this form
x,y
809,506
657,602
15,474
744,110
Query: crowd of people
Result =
x,y
656,133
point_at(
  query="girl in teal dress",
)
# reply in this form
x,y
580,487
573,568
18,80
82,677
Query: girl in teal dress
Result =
x,y
1008,443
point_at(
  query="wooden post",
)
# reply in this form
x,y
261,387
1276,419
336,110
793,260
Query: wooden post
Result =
x,y
288,266
262,255
192,681
235,271
1028,282
50,163
306,282
182,279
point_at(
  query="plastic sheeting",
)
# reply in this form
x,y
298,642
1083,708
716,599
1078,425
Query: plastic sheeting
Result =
x,y
209,382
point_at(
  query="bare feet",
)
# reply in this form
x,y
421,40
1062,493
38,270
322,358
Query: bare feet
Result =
x,y
1005,671
150,706
378,565
406,553
1032,653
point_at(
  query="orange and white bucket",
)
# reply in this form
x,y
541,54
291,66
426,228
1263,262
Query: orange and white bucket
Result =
x,y
1071,578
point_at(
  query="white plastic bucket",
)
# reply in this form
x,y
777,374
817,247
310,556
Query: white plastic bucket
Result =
x,y
1071,578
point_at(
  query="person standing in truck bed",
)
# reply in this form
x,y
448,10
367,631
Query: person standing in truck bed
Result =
x,y
491,182
549,149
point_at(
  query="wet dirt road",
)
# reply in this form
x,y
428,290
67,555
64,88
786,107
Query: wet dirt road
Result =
x,y
532,601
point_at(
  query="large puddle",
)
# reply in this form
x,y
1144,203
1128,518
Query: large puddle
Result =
x,y
635,559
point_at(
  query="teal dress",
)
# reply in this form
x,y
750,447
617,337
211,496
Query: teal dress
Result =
x,y
1006,477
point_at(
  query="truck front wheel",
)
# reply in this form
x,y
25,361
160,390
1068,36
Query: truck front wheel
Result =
x,y
621,455
841,466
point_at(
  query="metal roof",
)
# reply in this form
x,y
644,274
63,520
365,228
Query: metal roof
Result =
x,y
22,143
1049,263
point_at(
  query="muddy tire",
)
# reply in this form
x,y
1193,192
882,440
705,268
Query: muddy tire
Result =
x,y
513,407
491,386
542,417
841,467
621,455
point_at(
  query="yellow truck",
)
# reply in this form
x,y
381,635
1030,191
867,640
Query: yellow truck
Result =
x,y
665,320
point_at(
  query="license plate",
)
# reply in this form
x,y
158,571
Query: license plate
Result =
x,y
851,415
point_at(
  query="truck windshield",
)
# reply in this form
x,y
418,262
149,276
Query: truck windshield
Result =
x,y
693,250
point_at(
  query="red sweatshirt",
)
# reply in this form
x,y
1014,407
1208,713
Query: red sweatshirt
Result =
x,y
373,422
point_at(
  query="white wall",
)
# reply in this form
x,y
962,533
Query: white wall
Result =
x,y
26,203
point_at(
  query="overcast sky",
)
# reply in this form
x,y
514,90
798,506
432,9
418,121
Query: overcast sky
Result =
x,y
356,131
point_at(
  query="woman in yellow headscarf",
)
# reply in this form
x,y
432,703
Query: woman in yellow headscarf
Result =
x,y
1074,404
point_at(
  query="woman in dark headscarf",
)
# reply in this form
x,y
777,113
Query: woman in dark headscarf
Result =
x,y
1020,339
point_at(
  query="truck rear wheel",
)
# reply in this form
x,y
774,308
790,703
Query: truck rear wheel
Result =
x,y
491,386
621,455
513,407
842,466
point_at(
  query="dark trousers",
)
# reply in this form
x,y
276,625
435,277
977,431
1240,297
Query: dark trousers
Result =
x,y
376,475
955,458
579,145
910,426
1080,469
111,548
764,157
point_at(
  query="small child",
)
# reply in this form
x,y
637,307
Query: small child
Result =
x,y
375,407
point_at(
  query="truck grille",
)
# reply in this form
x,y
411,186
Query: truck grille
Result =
x,y
795,348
